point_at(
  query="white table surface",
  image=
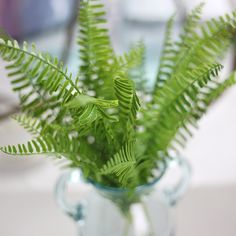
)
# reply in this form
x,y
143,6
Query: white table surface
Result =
x,y
206,211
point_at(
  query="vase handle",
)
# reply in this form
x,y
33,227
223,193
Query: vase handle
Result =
x,y
175,192
74,210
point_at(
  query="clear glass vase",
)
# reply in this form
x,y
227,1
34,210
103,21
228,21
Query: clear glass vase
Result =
x,y
106,211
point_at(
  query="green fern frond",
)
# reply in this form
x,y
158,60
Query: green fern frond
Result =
x,y
128,100
132,59
96,53
32,125
60,145
36,146
137,68
204,99
165,64
197,46
176,102
170,51
82,100
41,81
122,164
207,43
88,115
190,25
202,47
177,86
216,91
110,135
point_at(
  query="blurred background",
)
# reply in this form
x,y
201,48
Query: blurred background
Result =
x,y
26,184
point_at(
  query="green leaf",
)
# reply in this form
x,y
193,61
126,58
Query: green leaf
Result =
x,y
33,125
89,114
83,100
128,100
165,63
96,54
122,164
42,82
178,101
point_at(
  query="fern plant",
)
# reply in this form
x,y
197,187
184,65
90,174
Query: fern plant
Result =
x,y
96,120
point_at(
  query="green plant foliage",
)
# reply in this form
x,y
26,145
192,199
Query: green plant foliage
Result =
x,y
122,164
115,136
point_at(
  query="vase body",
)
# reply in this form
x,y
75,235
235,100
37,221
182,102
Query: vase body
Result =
x,y
106,211
150,215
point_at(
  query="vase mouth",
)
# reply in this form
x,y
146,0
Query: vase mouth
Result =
x,y
161,171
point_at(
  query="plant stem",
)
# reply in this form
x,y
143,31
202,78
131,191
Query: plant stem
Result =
x,y
148,218
128,223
